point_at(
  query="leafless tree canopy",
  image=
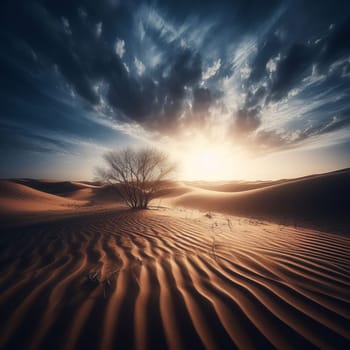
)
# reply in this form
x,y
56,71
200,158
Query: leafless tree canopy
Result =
x,y
138,175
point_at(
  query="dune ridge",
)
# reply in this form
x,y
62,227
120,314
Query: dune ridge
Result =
x,y
315,201
321,201
17,198
146,280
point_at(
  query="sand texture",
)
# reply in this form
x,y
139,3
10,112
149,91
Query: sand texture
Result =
x,y
157,279
80,271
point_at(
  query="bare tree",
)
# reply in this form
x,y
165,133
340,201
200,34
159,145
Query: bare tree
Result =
x,y
138,176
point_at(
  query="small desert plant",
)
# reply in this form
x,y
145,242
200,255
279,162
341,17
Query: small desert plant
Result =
x,y
208,215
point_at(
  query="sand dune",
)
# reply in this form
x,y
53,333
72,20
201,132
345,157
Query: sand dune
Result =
x,y
97,194
232,186
70,189
28,195
53,187
148,280
16,198
240,186
77,190
321,200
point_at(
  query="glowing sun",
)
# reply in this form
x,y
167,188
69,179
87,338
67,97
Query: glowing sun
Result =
x,y
207,163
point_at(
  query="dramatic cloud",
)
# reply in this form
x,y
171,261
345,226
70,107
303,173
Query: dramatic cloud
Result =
x,y
270,74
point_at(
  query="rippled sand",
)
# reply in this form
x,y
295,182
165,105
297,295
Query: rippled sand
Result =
x,y
159,279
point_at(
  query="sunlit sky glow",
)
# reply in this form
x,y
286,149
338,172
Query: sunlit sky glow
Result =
x,y
239,89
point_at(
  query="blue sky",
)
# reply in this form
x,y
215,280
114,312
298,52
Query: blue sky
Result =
x,y
266,83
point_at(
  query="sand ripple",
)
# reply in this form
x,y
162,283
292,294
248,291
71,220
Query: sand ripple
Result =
x,y
146,280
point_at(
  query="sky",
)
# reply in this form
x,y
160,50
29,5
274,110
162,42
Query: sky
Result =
x,y
239,89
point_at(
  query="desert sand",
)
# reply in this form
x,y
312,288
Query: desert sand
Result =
x,y
321,201
201,269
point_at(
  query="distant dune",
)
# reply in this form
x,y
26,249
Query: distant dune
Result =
x,y
17,198
316,200
232,186
321,200
61,188
27,200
